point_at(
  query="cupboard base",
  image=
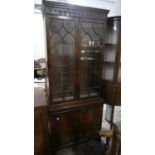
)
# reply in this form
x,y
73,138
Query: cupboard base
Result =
x,y
75,122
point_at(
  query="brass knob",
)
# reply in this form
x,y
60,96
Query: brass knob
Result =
x,y
57,118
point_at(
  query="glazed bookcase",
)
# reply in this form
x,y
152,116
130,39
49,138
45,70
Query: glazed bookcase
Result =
x,y
75,39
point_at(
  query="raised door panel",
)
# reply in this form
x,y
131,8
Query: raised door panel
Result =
x,y
61,58
41,136
90,122
66,127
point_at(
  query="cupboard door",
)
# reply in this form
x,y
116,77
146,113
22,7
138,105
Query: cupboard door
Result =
x,y
41,135
91,43
90,122
62,45
66,127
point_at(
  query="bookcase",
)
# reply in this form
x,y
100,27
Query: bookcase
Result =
x,y
75,39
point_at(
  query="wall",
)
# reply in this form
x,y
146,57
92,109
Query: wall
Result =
x,y
39,42
117,11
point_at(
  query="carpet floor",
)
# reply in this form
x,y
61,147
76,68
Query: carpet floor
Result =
x,y
92,147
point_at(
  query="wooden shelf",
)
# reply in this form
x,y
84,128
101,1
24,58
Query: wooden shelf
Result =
x,y
91,47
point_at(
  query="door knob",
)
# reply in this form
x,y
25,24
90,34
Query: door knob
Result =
x,y
57,118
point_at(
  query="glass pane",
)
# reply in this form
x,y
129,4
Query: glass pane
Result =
x,y
110,49
108,72
112,32
69,94
90,92
94,92
109,54
58,96
63,59
84,93
91,42
69,61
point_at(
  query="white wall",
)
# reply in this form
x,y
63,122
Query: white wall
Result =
x,y
117,8
39,42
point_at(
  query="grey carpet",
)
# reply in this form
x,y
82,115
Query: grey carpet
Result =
x,y
88,148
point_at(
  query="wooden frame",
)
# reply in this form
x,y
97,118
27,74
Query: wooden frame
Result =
x,y
70,114
78,14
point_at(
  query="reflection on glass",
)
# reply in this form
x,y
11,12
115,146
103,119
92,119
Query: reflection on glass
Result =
x,y
111,33
109,54
108,72
91,41
63,59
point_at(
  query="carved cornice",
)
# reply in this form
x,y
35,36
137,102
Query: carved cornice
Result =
x,y
62,9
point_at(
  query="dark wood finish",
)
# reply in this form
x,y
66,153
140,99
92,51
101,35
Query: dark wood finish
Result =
x,y
116,142
90,122
66,127
41,131
75,104
75,45
84,19
68,10
76,123
109,94
118,96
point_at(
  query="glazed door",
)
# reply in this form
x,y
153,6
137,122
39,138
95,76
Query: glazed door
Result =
x,y
61,58
91,48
